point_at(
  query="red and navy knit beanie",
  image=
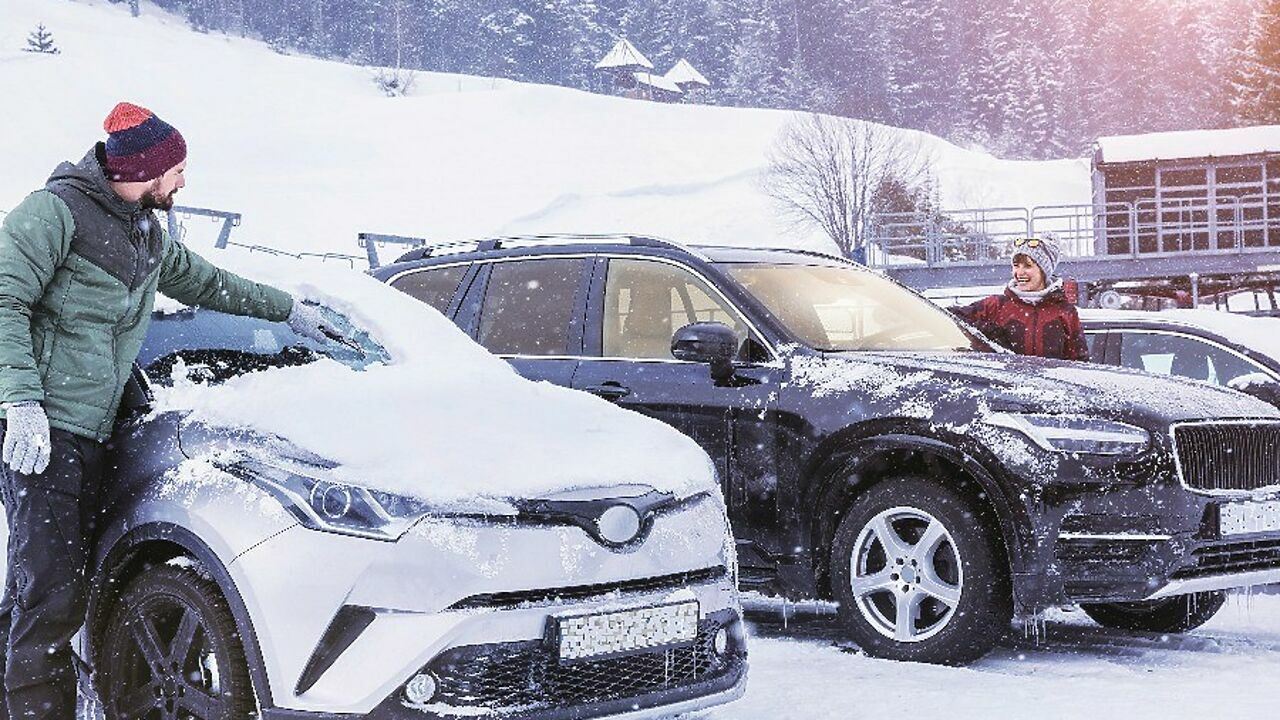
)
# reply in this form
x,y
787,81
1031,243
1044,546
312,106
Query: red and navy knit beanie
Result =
x,y
140,146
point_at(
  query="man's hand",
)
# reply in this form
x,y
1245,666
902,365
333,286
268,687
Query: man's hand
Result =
x,y
26,438
307,321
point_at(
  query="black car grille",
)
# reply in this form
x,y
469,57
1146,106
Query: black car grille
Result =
x,y
524,677
496,601
1236,557
1229,456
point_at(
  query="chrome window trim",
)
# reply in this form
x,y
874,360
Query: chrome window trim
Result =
x,y
1233,494
413,271
773,353
1190,336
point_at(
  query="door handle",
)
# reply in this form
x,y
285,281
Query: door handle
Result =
x,y
611,391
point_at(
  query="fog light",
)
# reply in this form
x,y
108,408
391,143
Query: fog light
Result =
x,y
420,689
721,641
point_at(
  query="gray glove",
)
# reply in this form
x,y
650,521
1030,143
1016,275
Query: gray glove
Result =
x,y
307,321
26,438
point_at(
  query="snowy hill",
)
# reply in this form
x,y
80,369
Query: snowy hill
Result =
x,y
311,153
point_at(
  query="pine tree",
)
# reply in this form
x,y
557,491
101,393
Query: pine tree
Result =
x,y
41,41
1257,85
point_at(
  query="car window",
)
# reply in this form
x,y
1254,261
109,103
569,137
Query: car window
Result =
x,y
1097,342
434,287
1183,356
646,301
844,308
528,306
208,346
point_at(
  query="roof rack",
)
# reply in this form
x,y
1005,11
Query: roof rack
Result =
x,y
422,248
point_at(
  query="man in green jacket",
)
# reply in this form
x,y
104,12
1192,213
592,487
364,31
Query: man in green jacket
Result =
x,y
80,263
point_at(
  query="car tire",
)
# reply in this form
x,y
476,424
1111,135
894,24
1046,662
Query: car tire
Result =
x,y
169,648
1177,614
948,603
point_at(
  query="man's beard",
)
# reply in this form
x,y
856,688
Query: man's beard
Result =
x,y
151,200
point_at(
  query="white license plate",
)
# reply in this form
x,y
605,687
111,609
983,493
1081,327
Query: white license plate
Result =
x,y
1246,518
617,632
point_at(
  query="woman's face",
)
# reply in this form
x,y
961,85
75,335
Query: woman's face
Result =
x,y
1027,275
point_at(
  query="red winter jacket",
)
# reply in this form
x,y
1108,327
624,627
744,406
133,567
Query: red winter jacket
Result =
x,y
1050,328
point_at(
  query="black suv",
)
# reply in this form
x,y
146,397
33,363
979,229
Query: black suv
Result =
x,y
875,451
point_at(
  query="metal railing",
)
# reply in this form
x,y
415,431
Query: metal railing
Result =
x,y
178,228
179,217
1167,227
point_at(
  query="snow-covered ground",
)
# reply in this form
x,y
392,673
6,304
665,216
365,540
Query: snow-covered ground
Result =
x,y
800,668
311,153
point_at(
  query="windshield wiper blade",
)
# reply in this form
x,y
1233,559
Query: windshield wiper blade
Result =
x,y
343,340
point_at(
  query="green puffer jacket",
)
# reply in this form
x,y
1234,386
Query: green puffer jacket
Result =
x,y
79,270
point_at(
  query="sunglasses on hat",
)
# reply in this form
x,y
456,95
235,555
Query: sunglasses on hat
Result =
x,y
1029,242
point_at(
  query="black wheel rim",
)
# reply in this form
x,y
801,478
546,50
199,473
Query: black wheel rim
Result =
x,y
165,665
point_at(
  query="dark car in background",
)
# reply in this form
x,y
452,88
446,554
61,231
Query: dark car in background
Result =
x,y
1233,350
877,452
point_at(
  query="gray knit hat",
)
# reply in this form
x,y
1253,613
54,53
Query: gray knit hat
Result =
x,y
1043,251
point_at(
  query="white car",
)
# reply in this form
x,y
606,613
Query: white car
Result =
x,y
399,528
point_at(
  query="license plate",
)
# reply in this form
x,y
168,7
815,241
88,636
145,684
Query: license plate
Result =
x,y
601,635
1247,518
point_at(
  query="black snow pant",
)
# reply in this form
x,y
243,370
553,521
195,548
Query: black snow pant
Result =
x,y
51,532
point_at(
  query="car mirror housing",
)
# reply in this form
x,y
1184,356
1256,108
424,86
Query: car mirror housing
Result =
x,y
707,342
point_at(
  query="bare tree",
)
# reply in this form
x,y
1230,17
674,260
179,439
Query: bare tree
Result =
x,y
831,171
397,81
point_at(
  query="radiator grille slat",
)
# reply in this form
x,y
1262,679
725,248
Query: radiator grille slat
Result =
x,y
1229,457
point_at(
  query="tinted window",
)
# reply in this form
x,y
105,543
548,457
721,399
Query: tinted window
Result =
x,y
1183,356
208,346
645,302
433,287
528,306
1097,342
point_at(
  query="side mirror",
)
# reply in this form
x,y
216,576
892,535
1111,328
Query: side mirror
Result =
x,y
1258,385
707,342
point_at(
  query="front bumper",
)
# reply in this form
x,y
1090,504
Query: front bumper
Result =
x,y
449,586
1142,540
524,681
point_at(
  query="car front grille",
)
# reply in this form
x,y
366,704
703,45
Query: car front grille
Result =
x,y
1231,558
1228,457
526,677
504,600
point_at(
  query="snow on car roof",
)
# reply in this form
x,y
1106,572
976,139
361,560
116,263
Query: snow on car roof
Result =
x,y
445,421
1180,144
1260,334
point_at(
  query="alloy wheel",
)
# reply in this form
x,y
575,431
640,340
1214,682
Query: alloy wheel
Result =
x,y
168,668
905,574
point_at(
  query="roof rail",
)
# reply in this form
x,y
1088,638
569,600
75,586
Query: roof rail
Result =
x,y
422,248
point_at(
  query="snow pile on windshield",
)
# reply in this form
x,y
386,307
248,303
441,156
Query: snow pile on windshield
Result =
x,y
444,421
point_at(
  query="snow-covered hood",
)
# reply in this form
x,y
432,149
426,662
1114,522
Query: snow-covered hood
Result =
x,y
444,421
1036,384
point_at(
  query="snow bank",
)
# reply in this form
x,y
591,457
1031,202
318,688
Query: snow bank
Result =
x,y
1190,144
445,420
311,153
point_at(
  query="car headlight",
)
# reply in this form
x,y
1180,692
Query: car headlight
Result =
x,y
333,506
1075,434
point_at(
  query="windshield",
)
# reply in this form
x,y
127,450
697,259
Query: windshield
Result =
x,y
208,346
838,307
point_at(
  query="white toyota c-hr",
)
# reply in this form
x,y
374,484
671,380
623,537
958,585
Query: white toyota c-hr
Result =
x,y
398,527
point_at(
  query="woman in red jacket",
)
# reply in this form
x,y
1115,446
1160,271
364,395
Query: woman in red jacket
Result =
x,y
1033,315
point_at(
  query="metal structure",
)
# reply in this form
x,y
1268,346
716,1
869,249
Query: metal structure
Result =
x,y
177,222
1191,244
177,226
